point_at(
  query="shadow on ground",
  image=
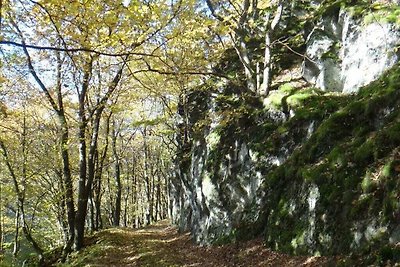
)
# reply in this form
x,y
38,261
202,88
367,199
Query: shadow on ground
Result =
x,y
161,245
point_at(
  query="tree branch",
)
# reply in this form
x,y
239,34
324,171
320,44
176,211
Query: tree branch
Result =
x,y
33,71
212,10
175,73
73,50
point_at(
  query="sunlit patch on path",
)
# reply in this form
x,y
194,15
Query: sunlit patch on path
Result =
x,y
162,245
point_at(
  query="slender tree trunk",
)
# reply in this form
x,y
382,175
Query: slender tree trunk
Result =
x,y
83,193
98,176
82,201
69,191
271,26
126,206
110,193
92,213
16,235
152,196
139,204
266,84
62,214
97,192
147,178
68,196
242,52
80,215
134,194
158,199
127,194
117,177
28,234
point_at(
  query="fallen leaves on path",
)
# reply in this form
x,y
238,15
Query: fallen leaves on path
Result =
x,y
162,245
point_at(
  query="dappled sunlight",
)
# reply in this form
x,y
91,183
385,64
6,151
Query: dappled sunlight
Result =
x,y
310,260
162,245
177,238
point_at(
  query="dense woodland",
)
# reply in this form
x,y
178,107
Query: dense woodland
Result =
x,y
95,107
88,97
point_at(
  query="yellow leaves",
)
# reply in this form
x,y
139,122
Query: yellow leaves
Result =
x,y
110,18
377,6
251,23
263,4
2,79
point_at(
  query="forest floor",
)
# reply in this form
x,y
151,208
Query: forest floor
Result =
x,y
162,245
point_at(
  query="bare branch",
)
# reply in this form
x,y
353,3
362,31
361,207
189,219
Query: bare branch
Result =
x,y
73,50
176,73
296,53
212,10
33,71
243,17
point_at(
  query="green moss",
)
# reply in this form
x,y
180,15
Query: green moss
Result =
x,y
225,239
315,173
364,154
387,169
344,158
367,184
383,13
337,157
300,97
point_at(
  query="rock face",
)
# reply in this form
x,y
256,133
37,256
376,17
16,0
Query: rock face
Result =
x,y
345,53
323,181
316,172
212,188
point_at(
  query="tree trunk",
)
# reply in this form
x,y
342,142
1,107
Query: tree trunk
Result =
x,y
59,109
86,182
69,193
80,215
242,52
98,176
16,235
117,177
134,194
147,178
126,205
61,213
68,196
158,199
266,84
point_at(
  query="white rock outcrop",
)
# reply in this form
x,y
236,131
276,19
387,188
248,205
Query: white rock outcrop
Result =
x,y
343,54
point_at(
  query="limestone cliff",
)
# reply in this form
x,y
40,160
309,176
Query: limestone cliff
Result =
x,y
311,171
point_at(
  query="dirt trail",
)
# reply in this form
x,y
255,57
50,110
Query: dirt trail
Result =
x,y
161,245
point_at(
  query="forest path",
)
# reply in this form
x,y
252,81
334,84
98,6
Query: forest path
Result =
x,y
162,245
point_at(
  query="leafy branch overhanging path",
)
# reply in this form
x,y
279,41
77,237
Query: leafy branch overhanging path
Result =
x,y
162,245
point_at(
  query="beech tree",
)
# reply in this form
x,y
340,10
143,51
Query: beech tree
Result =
x,y
246,20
